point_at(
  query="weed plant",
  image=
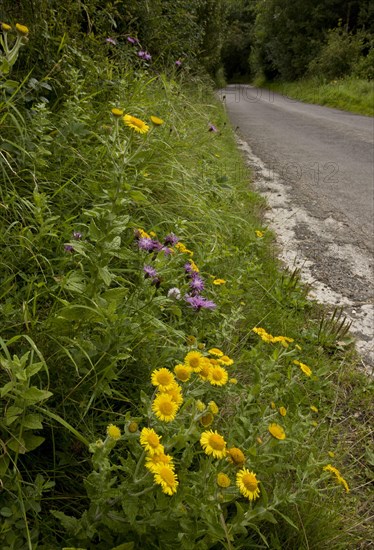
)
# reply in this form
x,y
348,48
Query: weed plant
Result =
x,y
139,408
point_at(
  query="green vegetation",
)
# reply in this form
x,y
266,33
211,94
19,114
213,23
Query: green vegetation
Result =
x,y
120,179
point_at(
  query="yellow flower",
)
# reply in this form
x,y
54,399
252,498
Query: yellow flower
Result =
x,y
201,346
313,408
218,376
151,441
339,478
259,440
156,121
219,282
182,372
306,370
283,340
272,405
282,411
183,249
204,373
162,378
259,233
233,381
113,432
175,392
191,340
314,423
213,407
133,427
194,266
216,352
248,484
223,480
194,360
22,29
236,456
117,112
164,407
165,476
277,431
213,444
200,405
152,461
266,337
5,27
142,233
225,360
207,419
152,233
136,124
331,454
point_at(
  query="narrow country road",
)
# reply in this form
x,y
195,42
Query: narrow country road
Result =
x,y
315,166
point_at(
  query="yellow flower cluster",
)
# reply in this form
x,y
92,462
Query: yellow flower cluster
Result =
x,y
160,464
183,249
169,395
306,370
270,339
339,478
21,29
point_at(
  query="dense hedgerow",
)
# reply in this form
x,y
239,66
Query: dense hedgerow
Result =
x,y
145,400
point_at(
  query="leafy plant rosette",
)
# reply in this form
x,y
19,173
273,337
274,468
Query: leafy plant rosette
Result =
x,y
205,461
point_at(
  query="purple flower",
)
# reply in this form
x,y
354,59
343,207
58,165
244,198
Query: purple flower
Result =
x,y
149,244
198,302
68,248
156,281
144,55
171,239
188,268
196,283
149,271
111,41
178,63
174,293
212,128
132,40
166,250
77,236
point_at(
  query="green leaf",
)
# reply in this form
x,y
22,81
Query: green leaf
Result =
x,y
6,389
32,441
75,282
32,422
12,413
34,395
124,546
105,275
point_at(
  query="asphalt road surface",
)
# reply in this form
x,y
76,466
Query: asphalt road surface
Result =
x,y
315,166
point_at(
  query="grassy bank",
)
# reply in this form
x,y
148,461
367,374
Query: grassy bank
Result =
x,y
130,245
349,94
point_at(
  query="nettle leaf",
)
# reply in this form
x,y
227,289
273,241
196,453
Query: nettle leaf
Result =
x,y
75,282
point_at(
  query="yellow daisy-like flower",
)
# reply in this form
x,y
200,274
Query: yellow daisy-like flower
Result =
x,y
136,124
223,480
306,370
225,360
236,456
151,441
175,392
194,266
152,462
164,407
207,419
265,336
213,407
248,484
284,340
162,378
277,431
233,380
113,432
259,233
204,373
213,444
194,360
219,282
5,27
133,427
143,234
22,29
213,362
216,352
191,340
339,478
156,120
117,112
182,372
313,408
183,249
218,376
165,476
282,411
200,406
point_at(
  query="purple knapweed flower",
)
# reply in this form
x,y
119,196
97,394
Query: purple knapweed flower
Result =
x,y
149,271
132,40
178,63
150,245
68,248
77,235
198,302
196,283
144,55
111,41
212,128
174,293
188,267
171,239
